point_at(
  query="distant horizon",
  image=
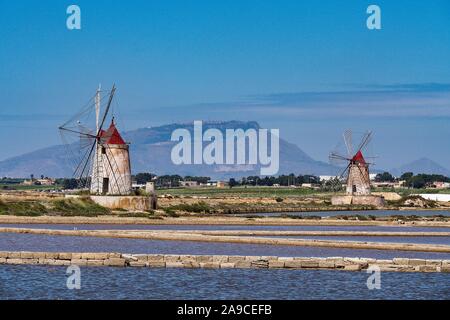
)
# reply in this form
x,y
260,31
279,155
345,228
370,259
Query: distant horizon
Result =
x,y
310,69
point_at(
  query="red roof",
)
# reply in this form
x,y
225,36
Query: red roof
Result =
x,y
112,135
358,158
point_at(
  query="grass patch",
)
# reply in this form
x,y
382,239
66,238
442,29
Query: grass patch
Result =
x,y
170,212
135,215
78,207
243,192
199,207
22,208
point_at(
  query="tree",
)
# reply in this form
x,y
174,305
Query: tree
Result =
x,y
200,180
232,182
69,184
384,177
143,178
406,176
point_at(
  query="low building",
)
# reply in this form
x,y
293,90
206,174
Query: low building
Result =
x,y
189,184
137,186
40,182
310,185
400,184
389,184
383,184
441,185
218,184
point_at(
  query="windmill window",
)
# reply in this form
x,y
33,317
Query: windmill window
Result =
x,y
103,150
354,188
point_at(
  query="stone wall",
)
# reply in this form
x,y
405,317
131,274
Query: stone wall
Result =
x,y
370,200
221,261
130,203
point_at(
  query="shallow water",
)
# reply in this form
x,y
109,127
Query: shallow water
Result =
x,y
32,242
42,282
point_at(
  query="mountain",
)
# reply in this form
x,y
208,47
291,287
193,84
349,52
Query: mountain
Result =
x,y
150,151
423,165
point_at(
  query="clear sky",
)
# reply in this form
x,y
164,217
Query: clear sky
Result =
x,y
310,68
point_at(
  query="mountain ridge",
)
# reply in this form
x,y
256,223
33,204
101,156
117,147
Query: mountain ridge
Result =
x,y
421,165
150,150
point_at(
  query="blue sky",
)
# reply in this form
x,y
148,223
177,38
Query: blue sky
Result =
x,y
310,68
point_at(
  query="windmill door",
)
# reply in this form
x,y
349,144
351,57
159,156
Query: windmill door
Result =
x,y
105,188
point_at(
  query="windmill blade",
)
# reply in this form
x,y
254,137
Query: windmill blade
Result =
x,y
343,172
86,109
111,95
105,114
81,133
365,140
348,142
336,156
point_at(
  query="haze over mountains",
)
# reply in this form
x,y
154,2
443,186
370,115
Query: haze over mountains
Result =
x,y
423,165
150,151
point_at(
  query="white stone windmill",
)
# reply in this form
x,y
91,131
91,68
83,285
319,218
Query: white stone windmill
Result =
x,y
357,168
102,156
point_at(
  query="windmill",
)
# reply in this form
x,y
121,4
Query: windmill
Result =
x,y
100,158
356,170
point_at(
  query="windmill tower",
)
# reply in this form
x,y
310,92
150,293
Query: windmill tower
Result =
x,y
358,180
102,158
111,172
357,169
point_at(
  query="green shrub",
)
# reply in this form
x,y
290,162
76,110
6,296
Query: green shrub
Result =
x,y
22,208
199,207
78,207
170,212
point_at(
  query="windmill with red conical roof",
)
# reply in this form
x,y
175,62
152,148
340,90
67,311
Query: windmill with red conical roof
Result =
x,y
357,168
101,157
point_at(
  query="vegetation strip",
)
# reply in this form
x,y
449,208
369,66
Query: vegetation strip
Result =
x,y
184,236
220,261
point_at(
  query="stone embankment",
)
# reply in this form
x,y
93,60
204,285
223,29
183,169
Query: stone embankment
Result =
x,y
319,233
174,235
220,261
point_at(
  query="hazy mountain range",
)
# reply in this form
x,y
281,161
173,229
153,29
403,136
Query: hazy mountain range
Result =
x,y
150,151
423,165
